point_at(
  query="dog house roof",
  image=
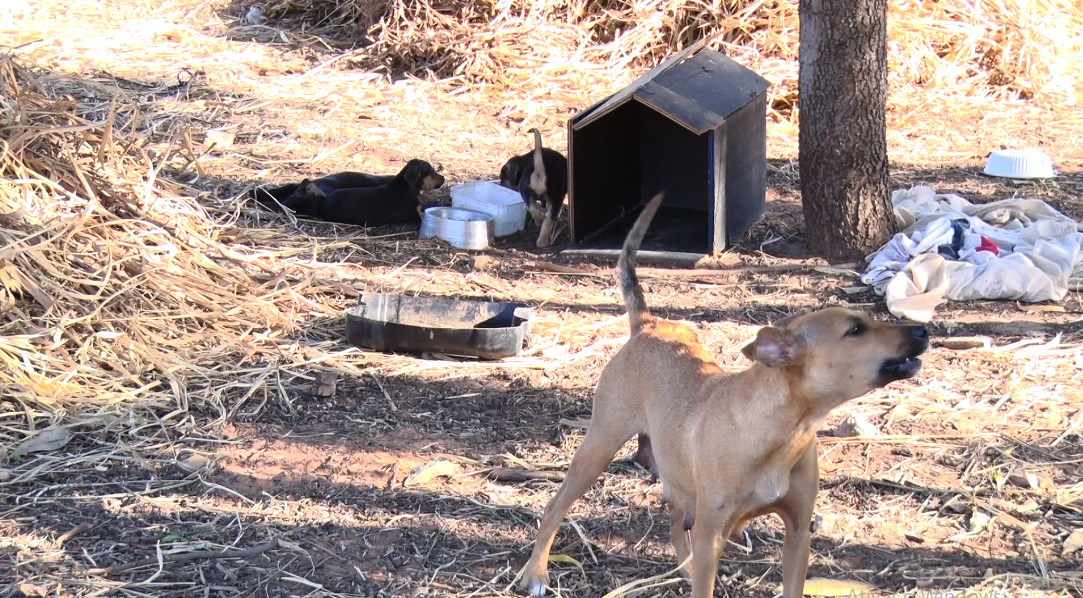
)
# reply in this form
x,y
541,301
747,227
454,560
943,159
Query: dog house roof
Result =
x,y
699,92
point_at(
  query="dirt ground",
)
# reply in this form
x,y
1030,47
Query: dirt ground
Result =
x,y
970,482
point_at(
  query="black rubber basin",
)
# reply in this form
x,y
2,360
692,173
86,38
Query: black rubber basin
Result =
x,y
405,324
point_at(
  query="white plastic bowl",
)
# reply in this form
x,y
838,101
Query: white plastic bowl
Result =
x,y
1019,164
504,205
464,229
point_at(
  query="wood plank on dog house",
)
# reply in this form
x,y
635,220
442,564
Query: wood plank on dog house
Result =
x,y
695,128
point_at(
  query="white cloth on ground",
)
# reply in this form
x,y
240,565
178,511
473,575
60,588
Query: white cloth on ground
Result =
x,y
1039,255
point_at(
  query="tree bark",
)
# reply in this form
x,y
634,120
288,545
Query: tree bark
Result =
x,y
843,139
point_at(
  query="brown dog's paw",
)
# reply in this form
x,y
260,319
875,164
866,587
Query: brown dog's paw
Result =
x,y
534,583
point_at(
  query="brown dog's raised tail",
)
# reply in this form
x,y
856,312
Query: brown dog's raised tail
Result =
x,y
634,302
537,178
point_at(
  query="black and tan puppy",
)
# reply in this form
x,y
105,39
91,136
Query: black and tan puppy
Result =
x,y
728,446
274,197
541,177
395,202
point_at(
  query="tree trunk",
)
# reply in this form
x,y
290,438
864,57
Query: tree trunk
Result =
x,y
843,144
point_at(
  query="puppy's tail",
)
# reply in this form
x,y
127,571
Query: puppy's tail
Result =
x,y
537,178
634,302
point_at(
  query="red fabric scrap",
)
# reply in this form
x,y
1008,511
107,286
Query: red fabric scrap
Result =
x,y
987,245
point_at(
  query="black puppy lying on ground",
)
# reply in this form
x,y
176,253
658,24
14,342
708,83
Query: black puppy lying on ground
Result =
x,y
276,197
541,177
394,202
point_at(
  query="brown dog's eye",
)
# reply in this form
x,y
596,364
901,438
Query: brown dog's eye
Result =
x,y
857,329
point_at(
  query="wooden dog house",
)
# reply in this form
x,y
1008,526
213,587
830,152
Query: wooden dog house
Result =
x,y
695,127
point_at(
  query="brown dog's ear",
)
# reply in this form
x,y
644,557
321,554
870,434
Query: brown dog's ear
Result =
x,y
773,347
786,321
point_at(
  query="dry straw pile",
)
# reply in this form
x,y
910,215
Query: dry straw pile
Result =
x,y
119,297
1002,48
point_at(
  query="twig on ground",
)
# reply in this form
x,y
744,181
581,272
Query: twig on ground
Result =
x,y
232,553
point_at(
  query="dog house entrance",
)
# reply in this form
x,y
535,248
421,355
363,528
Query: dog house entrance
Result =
x,y
655,155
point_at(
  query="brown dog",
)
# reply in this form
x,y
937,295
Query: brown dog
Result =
x,y
727,447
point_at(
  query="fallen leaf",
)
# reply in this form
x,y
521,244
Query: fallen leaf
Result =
x,y
1073,543
563,558
29,589
979,522
193,463
47,440
223,139
428,471
818,586
481,262
555,558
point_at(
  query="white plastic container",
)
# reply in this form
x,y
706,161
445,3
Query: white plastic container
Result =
x,y
1019,164
503,204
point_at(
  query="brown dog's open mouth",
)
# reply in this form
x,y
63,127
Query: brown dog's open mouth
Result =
x,y
900,369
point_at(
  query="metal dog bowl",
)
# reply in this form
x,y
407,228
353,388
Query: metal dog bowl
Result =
x,y
405,324
461,228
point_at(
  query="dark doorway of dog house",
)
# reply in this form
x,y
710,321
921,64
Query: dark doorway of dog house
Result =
x,y
693,128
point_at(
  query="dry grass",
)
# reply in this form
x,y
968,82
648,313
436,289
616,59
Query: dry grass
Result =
x,y
965,77
997,48
173,330
977,53
117,290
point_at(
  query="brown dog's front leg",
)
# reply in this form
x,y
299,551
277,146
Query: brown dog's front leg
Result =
x,y
709,532
705,555
796,513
